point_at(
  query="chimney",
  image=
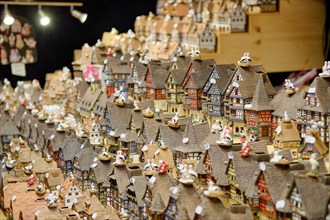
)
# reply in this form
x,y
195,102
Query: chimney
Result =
x,y
296,166
260,156
238,208
325,178
133,170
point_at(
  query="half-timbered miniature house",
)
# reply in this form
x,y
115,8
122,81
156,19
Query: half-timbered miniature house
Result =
x,y
309,197
240,92
157,196
138,74
116,188
41,167
55,142
98,172
258,114
8,131
240,170
207,40
155,83
287,137
174,89
81,163
214,89
55,179
183,202
67,152
282,102
128,144
210,169
193,83
190,147
314,112
87,103
135,194
271,181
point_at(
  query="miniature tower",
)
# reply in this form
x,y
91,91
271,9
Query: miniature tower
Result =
x,y
95,134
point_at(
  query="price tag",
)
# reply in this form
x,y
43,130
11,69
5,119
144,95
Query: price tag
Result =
x,y
18,69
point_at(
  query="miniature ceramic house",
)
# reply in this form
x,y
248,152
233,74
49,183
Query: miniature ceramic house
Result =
x,y
81,163
71,195
95,137
174,90
287,137
314,110
193,83
239,172
240,92
214,89
258,117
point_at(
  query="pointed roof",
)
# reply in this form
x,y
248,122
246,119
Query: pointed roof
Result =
x,y
314,195
9,128
85,158
187,201
260,101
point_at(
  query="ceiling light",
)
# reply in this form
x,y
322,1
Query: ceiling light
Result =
x,y
44,19
8,19
82,17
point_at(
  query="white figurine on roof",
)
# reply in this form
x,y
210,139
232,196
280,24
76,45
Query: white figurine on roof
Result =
x,y
325,69
175,118
286,117
245,60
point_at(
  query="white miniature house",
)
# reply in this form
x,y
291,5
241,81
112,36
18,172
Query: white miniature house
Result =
x,y
95,137
71,196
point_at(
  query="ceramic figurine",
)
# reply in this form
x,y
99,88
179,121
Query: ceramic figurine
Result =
x,y
49,159
245,60
314,166
51,199
246,149
148,113
279,159
136,107
216,126
28,169
40,189
120,158
212,191
225,139
162,169
120,101
286,118
188,175
10,163
104,156
157,113
194,54
174,122
289,87
325,69
150,168
31,180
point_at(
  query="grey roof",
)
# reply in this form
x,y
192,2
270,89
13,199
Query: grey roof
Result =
x,y
85,158
283,102
244,169
36,95
250,76
141,69
102,170
140,187
151,127
159,74
322,92
196,135
100,105
203,69
119,116
9,128
89,99
314,196
178,74
18,115
70,148
171,137
82,88
260,101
